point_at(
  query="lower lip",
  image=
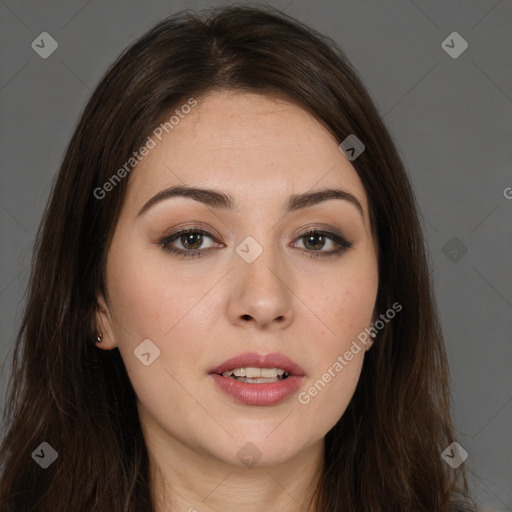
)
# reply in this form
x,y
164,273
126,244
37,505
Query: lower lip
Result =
x,y
269,393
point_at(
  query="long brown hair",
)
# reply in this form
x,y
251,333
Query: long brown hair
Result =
x,y
384,454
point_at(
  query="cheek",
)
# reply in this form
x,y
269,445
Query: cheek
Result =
x,y
151,304
152,301
149,298
346,307
143,309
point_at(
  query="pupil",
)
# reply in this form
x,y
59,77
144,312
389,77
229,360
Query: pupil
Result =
x,y
313,237
188,237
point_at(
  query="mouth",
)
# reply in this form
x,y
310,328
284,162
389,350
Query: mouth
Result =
x,y
255,379
258,367
255,375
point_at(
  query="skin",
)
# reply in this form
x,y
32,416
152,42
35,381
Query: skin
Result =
x,y
202,311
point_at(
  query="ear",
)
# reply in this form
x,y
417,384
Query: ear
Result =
x,y
104,325
370,340
368,345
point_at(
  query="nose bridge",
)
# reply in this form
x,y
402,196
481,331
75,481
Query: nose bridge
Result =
x,y
261,286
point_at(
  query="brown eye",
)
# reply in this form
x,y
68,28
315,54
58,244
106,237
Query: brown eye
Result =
x,y
191,239
315,241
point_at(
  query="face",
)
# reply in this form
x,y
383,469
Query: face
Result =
x,y
265,276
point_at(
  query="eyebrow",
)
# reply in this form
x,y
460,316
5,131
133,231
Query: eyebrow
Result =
x,y
218,199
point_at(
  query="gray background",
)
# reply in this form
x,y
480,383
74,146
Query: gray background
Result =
x,y
450,118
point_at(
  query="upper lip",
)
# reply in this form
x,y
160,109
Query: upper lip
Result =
x,y
252,359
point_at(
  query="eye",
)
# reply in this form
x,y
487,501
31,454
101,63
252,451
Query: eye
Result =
x,y
315,241
192,239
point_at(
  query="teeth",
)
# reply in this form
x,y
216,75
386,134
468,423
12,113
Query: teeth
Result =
x,y
257,381
271,372
253,372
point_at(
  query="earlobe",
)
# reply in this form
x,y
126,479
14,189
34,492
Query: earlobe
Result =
x,y
372,335
105,338
98,342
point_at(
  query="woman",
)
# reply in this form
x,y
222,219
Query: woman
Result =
x,y
233,226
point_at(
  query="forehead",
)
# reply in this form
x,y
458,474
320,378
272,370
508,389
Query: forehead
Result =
x,y
255,147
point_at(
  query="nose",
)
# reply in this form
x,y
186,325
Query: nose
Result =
x,y
261,292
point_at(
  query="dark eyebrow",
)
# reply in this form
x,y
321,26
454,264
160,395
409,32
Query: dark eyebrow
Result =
x,y
217,199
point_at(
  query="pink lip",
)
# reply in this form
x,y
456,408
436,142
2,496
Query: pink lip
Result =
x,y
274,360
269,393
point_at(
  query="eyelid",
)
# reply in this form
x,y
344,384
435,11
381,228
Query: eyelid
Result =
x,y
190,229
184,228
319,228
330,233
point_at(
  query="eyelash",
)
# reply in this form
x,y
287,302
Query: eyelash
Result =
x,y
164,243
